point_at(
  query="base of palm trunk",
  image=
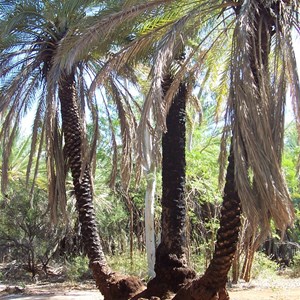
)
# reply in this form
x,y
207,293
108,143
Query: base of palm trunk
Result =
x,y
172,273
114,286
200,290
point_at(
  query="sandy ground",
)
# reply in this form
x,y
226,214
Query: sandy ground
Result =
x,y
80,295
267,294
54,292
267,289
283,289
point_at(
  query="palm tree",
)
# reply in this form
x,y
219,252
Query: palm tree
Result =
x,y
212,284
255,107
258,40
32,33
171,268
259,182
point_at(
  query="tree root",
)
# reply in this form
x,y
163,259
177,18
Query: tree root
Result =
x,y
114,286
196,290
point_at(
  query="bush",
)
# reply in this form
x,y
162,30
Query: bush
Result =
x,y
26,233
123,264
78,269
263,266
296,265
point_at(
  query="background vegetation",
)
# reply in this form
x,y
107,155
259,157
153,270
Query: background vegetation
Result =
x,y
29,239
39,245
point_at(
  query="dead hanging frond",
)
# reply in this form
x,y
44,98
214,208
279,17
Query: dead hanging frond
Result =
x,y
224,150
82,96
9,137
155,99
114,164
256,115
128,127
157,102
293,76
38,157
37,124
95,135
202,58
55,162
10,125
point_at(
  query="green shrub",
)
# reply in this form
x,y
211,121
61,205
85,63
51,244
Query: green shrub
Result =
x,y
78,269
263,266
296,265
123,264
27,235
197,259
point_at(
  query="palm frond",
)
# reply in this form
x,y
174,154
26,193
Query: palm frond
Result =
x,y
114,168
31,32
128,125
103,28
37,163
256,116
9,138
34,138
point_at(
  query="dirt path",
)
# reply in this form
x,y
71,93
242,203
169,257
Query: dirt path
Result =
x,y
279,289
52,292
267,294
78,295
267,289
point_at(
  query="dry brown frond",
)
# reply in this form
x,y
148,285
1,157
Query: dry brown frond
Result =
x,y
38,156
34,139
9,138
256,116
128,127
114,164
56,166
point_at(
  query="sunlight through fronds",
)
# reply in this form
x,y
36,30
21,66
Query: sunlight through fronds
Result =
x,y
30,34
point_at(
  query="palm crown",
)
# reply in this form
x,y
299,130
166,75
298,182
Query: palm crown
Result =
x,y
261,52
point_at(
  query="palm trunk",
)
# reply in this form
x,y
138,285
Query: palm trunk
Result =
x,y
212,284
171,267
110,284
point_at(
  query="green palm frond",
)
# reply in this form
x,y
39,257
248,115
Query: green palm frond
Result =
x,y
31,32
101,28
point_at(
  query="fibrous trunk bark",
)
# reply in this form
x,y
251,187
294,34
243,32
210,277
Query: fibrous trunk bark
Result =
x,y
171,267
110,284
211,286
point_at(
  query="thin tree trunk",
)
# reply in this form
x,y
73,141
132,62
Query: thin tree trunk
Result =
x,y
149,219
130,207
211,286
150,170
236,266
253,244
110,284
248,263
